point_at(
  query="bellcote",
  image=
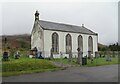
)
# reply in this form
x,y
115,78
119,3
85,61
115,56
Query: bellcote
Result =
x,y
82,25
37,15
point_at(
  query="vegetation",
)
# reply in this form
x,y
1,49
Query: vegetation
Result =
x,y
26,65
17,41
65,62
96,62
111,47
102,61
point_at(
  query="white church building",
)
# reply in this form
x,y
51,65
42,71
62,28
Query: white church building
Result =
x,y
62,38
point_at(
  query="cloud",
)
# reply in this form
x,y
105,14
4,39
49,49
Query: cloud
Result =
x,y
101,17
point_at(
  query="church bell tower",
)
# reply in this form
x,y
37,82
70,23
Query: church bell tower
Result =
x,y
37,15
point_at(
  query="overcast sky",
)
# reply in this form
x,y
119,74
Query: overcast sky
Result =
x,y
100,17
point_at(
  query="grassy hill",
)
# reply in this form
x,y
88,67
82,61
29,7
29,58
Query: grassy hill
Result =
x,y
17,41
101,45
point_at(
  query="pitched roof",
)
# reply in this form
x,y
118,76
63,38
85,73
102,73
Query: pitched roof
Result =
x,y
65,27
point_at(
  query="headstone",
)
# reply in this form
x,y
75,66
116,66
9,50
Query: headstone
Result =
x,y
17,55
61,54
70,56
39,55
113,54
108,57
79,59
89,54
51,53
96,56
100,54
91,60
81,55
5,56
104,54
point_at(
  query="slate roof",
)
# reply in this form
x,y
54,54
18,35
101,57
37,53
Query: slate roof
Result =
x,y
65,27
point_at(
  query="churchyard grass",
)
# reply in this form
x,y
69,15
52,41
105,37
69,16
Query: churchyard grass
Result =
x,y
102,61
65,61
26,65
96,62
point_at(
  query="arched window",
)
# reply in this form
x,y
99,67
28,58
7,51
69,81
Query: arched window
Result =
x,y
55,42
80,42
90,44
68,43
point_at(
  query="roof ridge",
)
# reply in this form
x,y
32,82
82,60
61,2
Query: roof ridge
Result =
x,y
62,23
50,25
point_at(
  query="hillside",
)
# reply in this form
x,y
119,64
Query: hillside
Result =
x,y
17,41
101,45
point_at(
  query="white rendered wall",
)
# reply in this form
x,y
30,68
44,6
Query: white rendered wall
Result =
x,y
62,42
37,37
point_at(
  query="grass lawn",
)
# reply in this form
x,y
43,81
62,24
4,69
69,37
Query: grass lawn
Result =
x,y
65,61
26,65
96,62
102,61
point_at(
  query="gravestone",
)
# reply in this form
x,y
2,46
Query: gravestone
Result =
x,y
5,56
70,56
51,53
35,49
17,55
100,54
89,54
108,57
96,56
79,59
39,55
113,54
61,55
